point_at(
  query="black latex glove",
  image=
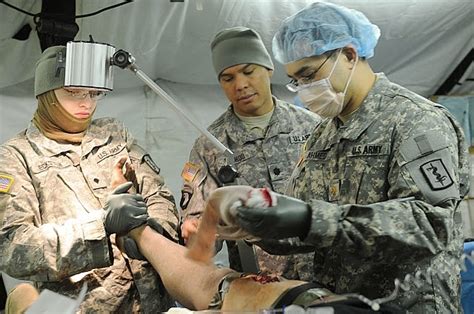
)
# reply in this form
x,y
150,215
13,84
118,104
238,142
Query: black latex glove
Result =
x,y
291,217
155,225
131,249
130,246
124,211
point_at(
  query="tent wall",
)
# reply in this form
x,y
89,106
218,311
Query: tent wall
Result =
x,y
422,41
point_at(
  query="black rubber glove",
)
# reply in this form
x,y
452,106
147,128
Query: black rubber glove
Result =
x,y
124,211
131,249
155,225
291,217
130,246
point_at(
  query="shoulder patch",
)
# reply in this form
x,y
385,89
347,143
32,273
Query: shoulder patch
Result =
x,y
185,198
6,182
436,174
151,163
190,171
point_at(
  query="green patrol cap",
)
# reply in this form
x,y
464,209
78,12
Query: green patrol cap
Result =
x,y
48,75
238,45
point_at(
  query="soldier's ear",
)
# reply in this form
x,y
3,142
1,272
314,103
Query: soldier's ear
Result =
x,y
350,53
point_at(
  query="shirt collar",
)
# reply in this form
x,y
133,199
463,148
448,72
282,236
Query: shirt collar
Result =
x,y
237,132
49,147
94,137
368,112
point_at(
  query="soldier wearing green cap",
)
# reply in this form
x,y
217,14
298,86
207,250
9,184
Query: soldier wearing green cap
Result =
x,y
61,205
264,133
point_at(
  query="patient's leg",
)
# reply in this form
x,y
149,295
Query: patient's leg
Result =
x,y
191,283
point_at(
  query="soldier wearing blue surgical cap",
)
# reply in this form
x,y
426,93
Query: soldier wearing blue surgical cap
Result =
x,y
376,191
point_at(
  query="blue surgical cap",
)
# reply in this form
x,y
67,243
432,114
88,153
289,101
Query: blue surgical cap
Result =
x,y
322,27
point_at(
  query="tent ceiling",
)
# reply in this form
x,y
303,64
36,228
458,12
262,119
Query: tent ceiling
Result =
x,y
422,40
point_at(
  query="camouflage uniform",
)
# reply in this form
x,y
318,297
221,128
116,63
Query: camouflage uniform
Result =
x,y
384,189
261,160
53,225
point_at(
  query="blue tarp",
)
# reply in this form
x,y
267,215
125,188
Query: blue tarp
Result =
x,y
467,279
462,108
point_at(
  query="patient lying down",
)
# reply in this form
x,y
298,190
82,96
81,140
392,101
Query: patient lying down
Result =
x,y
201,286
194,281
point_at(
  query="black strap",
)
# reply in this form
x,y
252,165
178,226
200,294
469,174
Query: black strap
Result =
x,y
291,294
56,24
456,75
248,260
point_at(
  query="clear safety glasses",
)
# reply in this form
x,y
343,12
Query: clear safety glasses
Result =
x,y
81,95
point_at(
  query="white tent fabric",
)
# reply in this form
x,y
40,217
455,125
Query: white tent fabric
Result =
x,y
422,42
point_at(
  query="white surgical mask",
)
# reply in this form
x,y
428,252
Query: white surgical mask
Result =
x,y
320,96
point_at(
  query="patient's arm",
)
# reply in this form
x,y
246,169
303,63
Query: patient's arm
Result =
x,y
191,283
191,277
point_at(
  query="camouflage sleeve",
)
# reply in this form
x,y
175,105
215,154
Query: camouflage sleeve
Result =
x,y
285,246
198,183
40,251
420,217
427,178
151,185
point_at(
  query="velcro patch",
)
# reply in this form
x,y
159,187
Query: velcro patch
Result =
x,y
298,139
185,198
190,171
109,151
151,163
369,150
6,182
241,157
319,155
436,174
